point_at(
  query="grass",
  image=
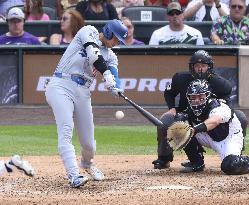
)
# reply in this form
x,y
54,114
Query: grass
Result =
x,y
42,140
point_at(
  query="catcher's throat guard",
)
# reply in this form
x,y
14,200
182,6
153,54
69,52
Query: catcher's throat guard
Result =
x,y
179,135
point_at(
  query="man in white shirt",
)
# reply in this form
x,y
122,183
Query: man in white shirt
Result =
x,y
176,32
206,10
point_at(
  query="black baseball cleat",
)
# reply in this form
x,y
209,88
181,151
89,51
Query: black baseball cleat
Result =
x,y
160,164
192,167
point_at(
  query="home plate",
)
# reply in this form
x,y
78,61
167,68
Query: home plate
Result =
x,y
178,187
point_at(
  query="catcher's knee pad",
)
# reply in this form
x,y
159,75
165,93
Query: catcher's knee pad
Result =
x,y
194,151
234,165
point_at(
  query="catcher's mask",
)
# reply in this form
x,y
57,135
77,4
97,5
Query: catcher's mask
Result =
x,y
202,57
198,94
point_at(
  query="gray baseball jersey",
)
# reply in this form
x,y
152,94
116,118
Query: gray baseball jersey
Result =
x,y
75,60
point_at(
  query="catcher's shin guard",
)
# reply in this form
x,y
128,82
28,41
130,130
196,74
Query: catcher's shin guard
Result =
x,y
163,147
235,165
194,152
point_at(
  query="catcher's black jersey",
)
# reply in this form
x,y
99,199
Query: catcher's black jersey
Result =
x,y
180,82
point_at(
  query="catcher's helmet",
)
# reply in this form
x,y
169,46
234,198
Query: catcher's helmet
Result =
x,y
201,56
117,28
198,93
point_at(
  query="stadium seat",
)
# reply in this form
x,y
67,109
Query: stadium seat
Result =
x,y
50,12
145,13
49,3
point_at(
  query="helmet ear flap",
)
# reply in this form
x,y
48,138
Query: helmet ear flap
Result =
x,y
107,32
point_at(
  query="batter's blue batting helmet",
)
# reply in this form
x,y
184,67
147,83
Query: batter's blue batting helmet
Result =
x,y
117,28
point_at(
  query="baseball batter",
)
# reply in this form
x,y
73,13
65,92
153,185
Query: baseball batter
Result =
x,y
215,126
69,95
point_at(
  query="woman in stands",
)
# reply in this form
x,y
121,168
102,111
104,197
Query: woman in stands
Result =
x,y
97,10
71,22
34,11
164,3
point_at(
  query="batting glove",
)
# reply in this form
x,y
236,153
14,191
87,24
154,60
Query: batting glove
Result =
x,y
109,80
115,91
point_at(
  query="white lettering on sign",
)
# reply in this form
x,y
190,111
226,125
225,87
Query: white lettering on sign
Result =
x,y
128,83
148,84
141,84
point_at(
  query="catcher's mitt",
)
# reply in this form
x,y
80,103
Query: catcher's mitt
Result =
x,y
179,134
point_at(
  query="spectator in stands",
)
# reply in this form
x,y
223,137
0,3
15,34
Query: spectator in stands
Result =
x,y
71,22
234,28
121,4
97,10
130,40
63,5
16,34
126,3
205,10
35,11
68,3
6,4
164,3
176,31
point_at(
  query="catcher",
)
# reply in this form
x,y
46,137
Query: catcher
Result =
x,y
200,67
213,125
16,162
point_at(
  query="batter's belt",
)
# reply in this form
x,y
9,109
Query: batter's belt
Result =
x,y
80,80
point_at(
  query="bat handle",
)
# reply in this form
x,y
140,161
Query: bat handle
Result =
x,y
121,95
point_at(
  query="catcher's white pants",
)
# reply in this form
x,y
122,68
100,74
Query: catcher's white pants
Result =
x,y
72,103
232,144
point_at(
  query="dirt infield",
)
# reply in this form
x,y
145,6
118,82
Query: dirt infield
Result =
x,y
129,179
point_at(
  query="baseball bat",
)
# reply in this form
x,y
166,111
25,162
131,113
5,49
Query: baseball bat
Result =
x,y
144,112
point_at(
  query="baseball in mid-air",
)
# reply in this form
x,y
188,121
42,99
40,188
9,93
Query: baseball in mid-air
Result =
x,y
119,114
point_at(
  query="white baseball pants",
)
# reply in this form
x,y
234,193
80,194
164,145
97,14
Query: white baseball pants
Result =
x,y
72,103
232,144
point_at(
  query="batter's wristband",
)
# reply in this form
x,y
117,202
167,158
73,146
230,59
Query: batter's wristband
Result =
x,y
200,128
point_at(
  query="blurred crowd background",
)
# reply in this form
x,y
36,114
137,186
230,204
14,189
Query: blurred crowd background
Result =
x,y
229,20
